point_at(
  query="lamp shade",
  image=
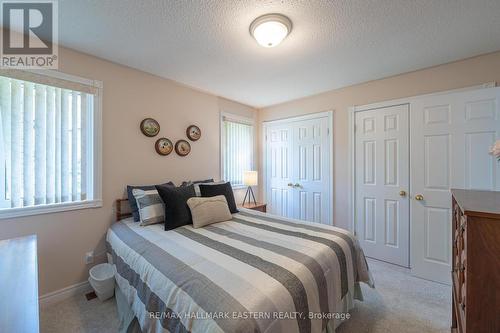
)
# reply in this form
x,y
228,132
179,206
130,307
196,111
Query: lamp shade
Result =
x,y
250,178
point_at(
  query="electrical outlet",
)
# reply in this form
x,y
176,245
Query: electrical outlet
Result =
x,y
89,257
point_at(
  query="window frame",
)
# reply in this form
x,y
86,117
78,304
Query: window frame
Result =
x,y
237,119
94,137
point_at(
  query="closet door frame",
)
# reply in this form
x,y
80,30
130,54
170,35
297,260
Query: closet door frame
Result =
x,y
264,128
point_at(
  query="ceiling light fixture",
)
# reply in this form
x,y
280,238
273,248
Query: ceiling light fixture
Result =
x,y
269,30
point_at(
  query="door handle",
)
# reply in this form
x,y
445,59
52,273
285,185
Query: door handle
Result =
x,y
419,197
290,185
402,193
297,185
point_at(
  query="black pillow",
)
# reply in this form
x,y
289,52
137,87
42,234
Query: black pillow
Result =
x,y
189,182
177,211
131,200
224,189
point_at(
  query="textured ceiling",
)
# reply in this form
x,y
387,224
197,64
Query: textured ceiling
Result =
x,y
206,44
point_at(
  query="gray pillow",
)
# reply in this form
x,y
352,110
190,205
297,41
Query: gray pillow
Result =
x,y
131,199
150,205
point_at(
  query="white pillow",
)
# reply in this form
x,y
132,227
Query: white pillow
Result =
x,y
205,211
150,206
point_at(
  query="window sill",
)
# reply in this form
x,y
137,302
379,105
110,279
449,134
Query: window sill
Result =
x,y
47,209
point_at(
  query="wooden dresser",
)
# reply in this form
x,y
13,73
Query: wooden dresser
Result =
x,y
476,261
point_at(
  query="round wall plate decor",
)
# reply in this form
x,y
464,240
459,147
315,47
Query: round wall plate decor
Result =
x,y
164,146
182,148
193,132
150,127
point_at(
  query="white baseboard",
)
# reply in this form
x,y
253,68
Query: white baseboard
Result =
x,y
73,290
64,293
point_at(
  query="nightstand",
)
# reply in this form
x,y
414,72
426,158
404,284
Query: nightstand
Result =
x,y
261,207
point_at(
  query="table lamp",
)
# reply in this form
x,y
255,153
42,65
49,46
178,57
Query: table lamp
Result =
x,y
250,178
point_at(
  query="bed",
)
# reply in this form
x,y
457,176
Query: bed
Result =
x,y
254,273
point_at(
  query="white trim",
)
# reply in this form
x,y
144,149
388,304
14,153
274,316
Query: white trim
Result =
x,y
237,119
263,161
68,77
96,136
332,176
50,208
350,169
64,293
308,116
324,114
3,202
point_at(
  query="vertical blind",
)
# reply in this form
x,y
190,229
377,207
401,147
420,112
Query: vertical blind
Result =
x,y
44,144
238,150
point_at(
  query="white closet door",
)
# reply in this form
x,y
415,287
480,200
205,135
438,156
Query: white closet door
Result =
x,y
382,166
298,169
450,137
279,170
311,180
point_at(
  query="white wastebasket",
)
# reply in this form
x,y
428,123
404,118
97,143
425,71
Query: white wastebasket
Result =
x,y
102,279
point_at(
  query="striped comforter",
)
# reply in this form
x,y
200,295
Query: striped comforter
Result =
x,y
254,273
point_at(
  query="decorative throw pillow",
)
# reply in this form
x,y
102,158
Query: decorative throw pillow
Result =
x,y
131,200
205,211
177,211
151,207
224,189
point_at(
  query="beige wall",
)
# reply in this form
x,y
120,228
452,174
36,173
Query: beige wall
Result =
x,y
459,74
128,158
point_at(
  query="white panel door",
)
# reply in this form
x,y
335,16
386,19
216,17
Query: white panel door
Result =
x,y
298,169
310,165
450,137
382,177
279,170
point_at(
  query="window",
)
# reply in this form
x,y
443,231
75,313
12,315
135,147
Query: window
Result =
x,y
237,139
49,151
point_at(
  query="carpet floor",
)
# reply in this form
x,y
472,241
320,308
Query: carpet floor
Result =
x,y
400,303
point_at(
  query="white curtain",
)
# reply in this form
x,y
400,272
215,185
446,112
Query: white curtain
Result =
x,y
238,151
44,143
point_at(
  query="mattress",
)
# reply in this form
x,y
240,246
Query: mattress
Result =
x,y
254,273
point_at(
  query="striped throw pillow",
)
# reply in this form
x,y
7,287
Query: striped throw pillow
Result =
x,y
150,205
